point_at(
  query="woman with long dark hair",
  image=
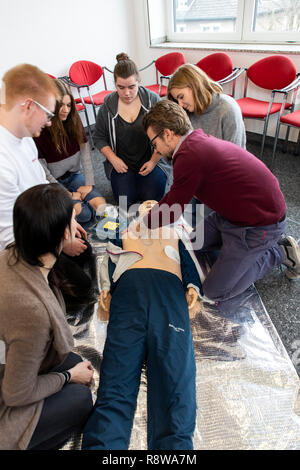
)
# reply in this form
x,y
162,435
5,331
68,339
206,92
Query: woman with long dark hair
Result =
x,y
44,393
63,148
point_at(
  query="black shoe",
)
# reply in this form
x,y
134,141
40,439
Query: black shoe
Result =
x,y
291,251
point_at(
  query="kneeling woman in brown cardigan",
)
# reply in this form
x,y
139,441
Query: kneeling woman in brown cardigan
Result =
x,y
44,393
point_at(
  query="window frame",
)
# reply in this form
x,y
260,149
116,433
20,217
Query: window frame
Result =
x,y
243,33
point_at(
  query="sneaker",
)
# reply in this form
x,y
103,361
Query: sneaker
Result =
x,y
291,251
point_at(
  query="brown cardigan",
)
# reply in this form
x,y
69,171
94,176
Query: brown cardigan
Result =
x,y
37,338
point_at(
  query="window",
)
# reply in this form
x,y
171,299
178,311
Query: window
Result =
x,y
233,20
277,20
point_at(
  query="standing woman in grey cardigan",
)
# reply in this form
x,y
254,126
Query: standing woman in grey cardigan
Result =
x,y
132,165
208,108
44,393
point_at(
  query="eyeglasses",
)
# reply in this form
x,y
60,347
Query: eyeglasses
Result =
x,y
153,146
49,114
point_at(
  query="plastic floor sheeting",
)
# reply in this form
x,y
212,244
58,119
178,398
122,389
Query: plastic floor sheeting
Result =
x,y
248,391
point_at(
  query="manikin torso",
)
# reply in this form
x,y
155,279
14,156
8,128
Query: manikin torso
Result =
x,y
159,250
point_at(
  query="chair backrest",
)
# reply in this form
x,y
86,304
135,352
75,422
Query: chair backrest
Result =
x,y
85,72
273,72
217,65
168,63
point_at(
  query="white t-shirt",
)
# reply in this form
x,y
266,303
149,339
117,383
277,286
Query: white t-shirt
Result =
x,y
20,169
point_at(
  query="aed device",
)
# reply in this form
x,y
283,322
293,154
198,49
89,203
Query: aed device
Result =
x,y
109,228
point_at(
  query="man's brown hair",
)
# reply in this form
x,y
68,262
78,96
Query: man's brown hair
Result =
x,y
167,115
27,81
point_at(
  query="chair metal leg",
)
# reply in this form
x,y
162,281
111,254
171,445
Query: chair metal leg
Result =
x,y
93,104
297,151
264,136
233,89
94,111
275,142
286,140
89,128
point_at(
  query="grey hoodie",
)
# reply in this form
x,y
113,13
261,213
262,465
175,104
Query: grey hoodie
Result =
x,y
105,131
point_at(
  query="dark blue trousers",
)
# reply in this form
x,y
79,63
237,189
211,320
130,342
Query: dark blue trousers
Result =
x,y
149,324
137,187
246,255
72,183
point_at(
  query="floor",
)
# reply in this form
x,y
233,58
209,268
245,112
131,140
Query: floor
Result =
x,y
246,386
279,295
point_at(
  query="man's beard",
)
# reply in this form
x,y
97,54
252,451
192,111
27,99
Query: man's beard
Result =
x,y
168,156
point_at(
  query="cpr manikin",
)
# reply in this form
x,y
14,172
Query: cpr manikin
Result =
x,y
147,284
158,251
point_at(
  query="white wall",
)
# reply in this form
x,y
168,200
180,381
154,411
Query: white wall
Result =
x,y
54,34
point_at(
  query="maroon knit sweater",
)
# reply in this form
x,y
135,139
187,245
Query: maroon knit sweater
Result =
x,y
225,177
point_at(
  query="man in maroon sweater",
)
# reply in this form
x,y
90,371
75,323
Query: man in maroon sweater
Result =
x,y
248,217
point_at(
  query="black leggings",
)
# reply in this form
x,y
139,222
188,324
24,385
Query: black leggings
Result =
x,y
63,413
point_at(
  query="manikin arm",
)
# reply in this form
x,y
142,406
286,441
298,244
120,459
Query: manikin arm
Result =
x,y
105,298
191,297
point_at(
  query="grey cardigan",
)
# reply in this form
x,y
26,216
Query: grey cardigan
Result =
x,y
105,129
222,119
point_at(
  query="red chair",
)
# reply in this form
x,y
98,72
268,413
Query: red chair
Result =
x,y
165,66
291,119
275,73
84,74
218,66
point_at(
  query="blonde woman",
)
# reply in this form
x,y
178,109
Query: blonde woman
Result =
x,y
207,106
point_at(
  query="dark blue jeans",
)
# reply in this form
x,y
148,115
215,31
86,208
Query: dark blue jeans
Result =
x,y
137,187
72,183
